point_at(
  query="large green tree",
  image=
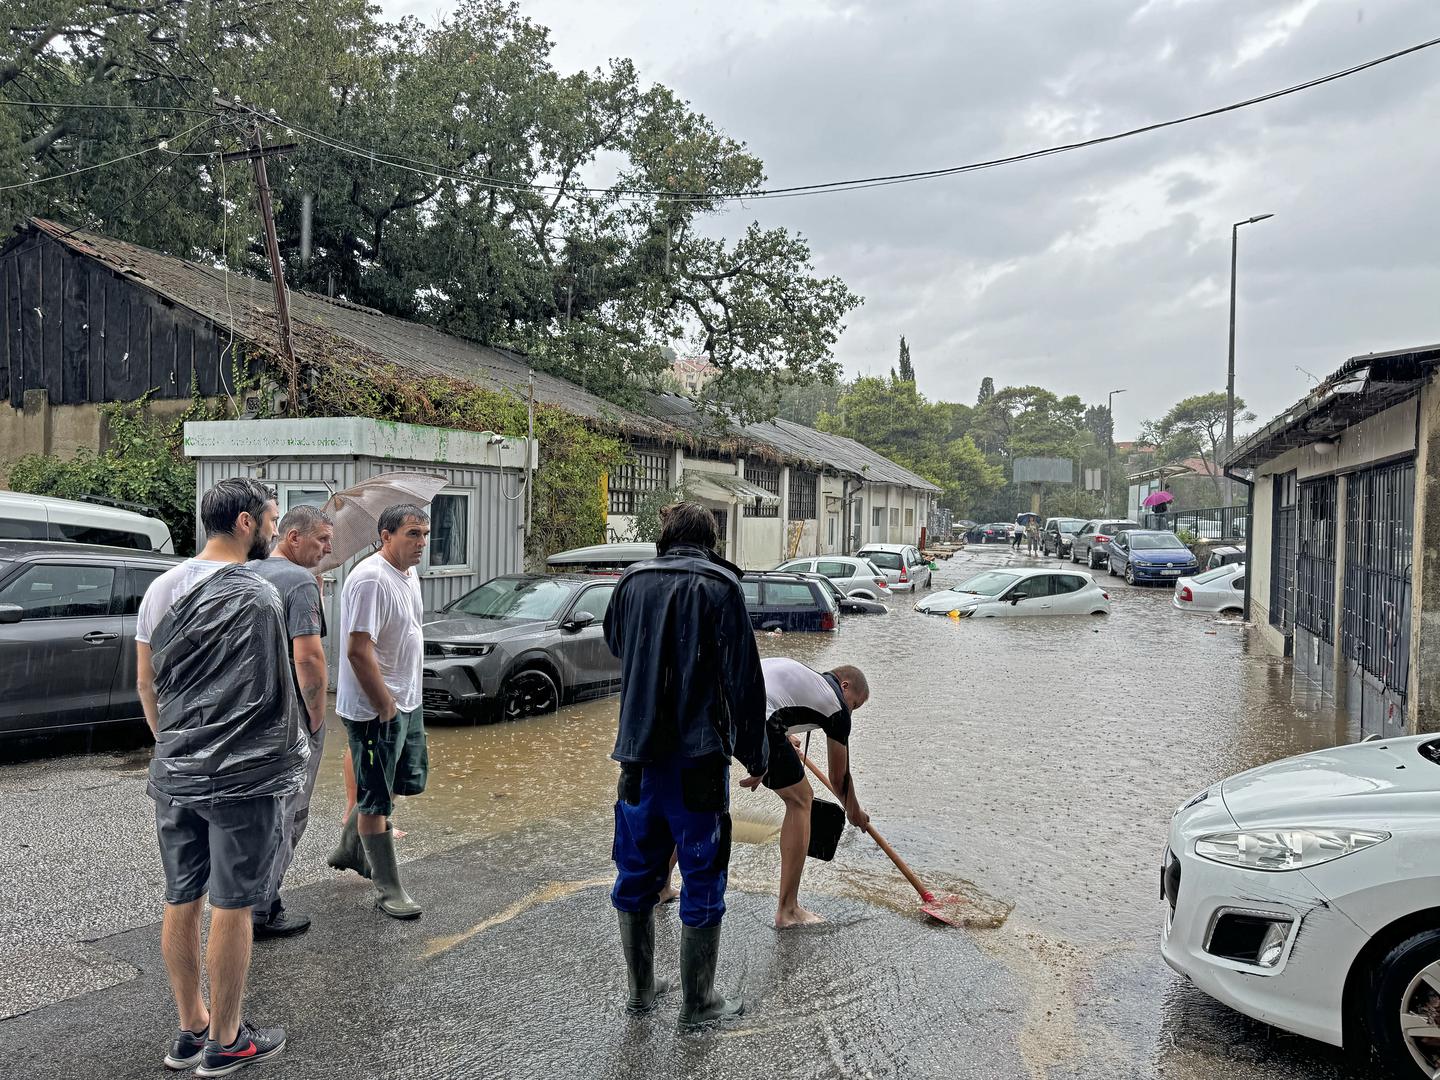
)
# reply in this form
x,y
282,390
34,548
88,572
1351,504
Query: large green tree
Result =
x,y
1195,427
455,176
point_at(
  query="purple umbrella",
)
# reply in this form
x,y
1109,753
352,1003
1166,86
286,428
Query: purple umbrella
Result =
x,y
1157,498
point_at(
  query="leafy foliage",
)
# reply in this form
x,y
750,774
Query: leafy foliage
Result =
x,y
142,463
907,369
1195,427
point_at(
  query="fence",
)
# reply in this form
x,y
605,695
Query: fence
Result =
x,y
1207,523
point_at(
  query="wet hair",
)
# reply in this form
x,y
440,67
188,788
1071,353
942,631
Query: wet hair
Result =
x,y
687,523
222,505
304,519
855,677
393,518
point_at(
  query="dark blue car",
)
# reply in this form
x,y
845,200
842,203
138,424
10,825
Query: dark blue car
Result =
x,y
1147,555
783,601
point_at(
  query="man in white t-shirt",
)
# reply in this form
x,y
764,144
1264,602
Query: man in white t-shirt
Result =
x,y
378,697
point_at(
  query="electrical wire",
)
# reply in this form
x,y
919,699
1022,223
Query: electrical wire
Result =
x,y
442,172
161,145
104,105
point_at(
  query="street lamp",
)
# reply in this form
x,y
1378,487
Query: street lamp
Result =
x,y
1230,370
1110,448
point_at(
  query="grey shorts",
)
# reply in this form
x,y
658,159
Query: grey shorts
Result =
x,y
226,848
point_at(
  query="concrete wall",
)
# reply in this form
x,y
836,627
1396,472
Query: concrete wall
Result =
x,y
1423,706
59,430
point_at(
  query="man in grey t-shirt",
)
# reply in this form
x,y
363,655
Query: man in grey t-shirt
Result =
x,y
305,535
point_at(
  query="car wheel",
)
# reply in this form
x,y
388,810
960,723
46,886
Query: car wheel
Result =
x,y
1110,567
862,594
1129,573
1074,555
531,692
1403,1011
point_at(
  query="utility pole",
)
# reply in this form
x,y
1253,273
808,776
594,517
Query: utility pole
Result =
x,y
1110,448
257,154
1230,367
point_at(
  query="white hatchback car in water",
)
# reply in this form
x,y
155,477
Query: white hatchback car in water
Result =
x,y
1215,592
1004,593
1306,894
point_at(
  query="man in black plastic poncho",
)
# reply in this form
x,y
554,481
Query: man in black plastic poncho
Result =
x,y
213,674
691,697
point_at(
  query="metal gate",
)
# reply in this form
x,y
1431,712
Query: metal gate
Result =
x,y
1315,582
1379,537
1282,553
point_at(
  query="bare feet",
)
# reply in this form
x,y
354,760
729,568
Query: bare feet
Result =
x,y
787,918
668,895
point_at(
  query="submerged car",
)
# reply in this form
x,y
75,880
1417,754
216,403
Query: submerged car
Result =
x,y
790,602
852,576
1005,593
903,565
1302,894
1215,592
854,604
1058,535
519,645
1143,555
1090,542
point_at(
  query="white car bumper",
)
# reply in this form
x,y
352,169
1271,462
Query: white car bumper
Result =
x,y
1303,992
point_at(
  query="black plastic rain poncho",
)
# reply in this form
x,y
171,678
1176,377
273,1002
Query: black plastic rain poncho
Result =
x,y
229,718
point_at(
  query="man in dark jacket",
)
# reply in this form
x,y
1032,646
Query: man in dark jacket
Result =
x,y
691,697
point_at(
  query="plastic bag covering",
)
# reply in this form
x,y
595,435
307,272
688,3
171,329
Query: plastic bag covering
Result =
x,y
230,723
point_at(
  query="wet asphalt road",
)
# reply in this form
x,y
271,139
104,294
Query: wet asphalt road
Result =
x,y
1025,762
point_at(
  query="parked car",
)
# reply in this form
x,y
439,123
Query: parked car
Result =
x,y
790,602
1215,592
853,604
1004,593
903,565
852,576
1150,555
39,517
1058,534
601,558
1089,543
1225,556
67,633
997,532
1302,894
519,645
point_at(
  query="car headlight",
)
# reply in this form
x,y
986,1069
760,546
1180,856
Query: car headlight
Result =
x,y
445,648
1284,849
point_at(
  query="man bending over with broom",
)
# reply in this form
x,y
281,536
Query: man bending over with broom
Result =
x,y
798,700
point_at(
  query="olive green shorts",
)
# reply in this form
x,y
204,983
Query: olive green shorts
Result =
x,y
390,759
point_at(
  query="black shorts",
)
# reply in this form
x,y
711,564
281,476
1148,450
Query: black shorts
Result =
x,y
786,768
226,848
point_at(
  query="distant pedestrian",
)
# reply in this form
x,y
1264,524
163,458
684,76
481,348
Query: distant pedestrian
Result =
x,y
1032,535
305,535
212,658
1017,534
691,696
379,699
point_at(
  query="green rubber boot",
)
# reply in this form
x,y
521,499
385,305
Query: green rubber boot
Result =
x,y
385,872
699,953
637,935
349,854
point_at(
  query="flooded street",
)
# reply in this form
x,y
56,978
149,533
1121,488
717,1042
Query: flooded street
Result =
x,y
1024,762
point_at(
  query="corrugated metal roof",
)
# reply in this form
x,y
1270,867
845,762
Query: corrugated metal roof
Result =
x,y
337,331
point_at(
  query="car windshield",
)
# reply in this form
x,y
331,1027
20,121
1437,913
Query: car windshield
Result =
x,y
1070,525
515,598
890,560
990,583
1156,542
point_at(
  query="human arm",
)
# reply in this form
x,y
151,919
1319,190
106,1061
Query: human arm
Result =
x,y
843,783
145,686
312,677
360,651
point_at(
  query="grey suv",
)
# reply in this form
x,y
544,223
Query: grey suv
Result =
x,y
67,633
520,645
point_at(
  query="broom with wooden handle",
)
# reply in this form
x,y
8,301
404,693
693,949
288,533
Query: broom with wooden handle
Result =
x,y
946,909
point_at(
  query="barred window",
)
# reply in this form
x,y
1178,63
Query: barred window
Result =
x,y
767,477
909,516
894,516
648,470
802,496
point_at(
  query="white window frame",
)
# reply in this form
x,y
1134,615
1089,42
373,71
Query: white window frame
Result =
x,y
286,488
428,569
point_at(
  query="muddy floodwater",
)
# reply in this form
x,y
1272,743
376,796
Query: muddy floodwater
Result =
x,y
1027,765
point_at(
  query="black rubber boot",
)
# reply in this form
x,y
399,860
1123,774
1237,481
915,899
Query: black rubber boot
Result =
x,y
699,953
349,854
385,872
637,935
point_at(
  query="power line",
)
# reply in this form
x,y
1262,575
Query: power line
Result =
x,y
443,172
160,145
104,105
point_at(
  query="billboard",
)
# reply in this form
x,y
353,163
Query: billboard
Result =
x,y
1044,470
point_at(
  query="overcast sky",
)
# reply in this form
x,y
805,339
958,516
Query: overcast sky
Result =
x,y
1099,269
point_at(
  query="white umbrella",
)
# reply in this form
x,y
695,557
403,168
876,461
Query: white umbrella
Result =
x,y
356,510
